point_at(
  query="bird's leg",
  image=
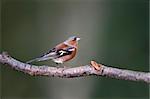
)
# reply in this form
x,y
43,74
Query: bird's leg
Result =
x,y
59,65
65,66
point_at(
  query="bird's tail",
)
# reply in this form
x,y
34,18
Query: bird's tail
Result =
x,y
33,60
39,59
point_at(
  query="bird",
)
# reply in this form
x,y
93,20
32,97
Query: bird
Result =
x,y
61,53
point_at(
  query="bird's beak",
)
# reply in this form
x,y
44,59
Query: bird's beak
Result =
x,y
78,38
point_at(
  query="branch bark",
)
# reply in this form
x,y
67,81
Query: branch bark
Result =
x,y
86,70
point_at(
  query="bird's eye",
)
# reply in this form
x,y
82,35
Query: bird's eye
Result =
x,y
75,39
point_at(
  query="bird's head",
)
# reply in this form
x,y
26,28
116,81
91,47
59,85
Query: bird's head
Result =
x,y
73,40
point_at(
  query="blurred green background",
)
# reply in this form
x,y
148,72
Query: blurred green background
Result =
x,y
113,32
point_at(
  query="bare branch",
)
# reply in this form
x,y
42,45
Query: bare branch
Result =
x,y
86,70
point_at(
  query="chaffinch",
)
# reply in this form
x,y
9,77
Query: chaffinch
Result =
x,y
63,52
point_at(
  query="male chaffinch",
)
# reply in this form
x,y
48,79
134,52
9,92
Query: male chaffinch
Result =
x,y
63,52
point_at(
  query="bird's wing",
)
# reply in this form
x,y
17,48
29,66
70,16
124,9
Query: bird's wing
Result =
x,y
64,52
58,51
50,53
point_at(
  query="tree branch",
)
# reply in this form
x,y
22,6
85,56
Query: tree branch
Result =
x,y
86,70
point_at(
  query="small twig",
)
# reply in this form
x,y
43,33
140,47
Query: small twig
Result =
x,y
87,70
